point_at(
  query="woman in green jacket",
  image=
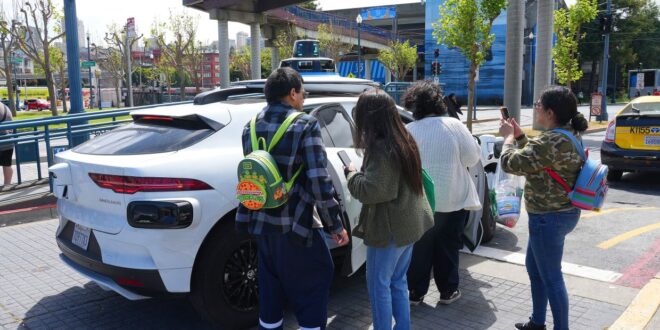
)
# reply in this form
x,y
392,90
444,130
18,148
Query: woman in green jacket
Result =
x,y
395,212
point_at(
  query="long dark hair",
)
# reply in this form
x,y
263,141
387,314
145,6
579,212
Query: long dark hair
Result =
x,y
563,103
378,126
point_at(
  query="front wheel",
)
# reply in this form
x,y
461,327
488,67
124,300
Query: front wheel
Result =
x,y
487,219
224,286
614,175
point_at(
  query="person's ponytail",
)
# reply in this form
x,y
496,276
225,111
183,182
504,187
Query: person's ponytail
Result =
x,y
579,123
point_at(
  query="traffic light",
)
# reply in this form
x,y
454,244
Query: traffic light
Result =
x,y
606,23
436,53
436,68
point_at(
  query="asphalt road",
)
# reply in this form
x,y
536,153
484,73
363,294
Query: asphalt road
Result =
x,y
632,209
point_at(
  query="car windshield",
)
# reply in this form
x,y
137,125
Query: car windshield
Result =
x,y
644,108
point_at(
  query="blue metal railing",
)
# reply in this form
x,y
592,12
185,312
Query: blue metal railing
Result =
x,y
338,21
27,135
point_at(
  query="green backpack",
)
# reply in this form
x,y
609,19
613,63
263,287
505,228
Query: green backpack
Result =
x,y
260,184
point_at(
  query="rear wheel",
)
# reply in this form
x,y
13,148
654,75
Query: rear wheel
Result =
x,y
614,175
224,286
487,220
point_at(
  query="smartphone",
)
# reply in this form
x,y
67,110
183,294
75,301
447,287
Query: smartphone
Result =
x,y
344,157
505,112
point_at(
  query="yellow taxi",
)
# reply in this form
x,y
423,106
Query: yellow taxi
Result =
x,y
632,139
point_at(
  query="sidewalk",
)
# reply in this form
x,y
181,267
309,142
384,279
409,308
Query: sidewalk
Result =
x,y
38,291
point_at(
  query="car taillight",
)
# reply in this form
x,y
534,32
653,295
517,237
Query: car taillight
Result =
x,y
611,131
131,184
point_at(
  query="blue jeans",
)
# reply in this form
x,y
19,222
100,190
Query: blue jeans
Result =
x,y
388,287
544,253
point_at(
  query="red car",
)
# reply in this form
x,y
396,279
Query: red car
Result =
x,y
36,104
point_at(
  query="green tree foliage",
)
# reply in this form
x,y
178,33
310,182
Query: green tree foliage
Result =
x,y
400,58
567,28
331,43
239,64
634,39
466,25
174,38
284,41
311,5
58,61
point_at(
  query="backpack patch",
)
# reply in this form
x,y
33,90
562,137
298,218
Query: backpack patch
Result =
x,y
260,184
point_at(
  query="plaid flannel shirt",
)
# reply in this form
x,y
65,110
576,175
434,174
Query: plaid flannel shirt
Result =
x,y
300,145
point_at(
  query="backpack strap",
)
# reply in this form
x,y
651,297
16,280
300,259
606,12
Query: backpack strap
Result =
x,y
578,145
253,135
282,129
580,151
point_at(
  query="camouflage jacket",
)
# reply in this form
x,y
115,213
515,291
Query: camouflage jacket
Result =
x,y
552,150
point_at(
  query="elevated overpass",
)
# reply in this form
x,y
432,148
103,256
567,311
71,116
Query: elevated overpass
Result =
x,y
269,17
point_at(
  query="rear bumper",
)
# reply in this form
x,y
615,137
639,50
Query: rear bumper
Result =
x,y
629,160
135,284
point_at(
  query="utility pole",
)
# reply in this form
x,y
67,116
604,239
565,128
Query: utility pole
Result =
x,y
358,20
607,27
513,65
73,61
543,67
129,88
91,89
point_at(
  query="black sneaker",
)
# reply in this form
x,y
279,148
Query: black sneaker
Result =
x,y
415,299
447,299
529,326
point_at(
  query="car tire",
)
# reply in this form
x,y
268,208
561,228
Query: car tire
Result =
x,y
227,264
487,220
614,175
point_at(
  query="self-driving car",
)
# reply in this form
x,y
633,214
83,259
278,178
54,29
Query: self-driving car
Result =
x,y
148,208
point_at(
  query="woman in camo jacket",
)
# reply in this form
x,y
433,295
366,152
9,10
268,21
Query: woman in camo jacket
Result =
x,y
551,214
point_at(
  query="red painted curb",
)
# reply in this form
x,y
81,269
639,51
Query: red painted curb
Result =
x,y
28,209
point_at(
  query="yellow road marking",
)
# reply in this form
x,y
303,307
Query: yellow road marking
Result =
x,y
641,309
628,235
620,209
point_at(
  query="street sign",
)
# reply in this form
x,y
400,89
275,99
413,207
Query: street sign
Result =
x,y
388,12
596,101
436,80
16,60
87,64
130,26
640,80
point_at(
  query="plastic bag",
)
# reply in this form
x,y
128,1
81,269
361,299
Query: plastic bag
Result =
x,y
506,196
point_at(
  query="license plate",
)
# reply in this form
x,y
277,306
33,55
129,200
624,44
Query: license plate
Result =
x,y
652,140
81,236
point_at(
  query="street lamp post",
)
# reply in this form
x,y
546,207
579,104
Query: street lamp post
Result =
x,y
17,88
358,20
529,71
91,88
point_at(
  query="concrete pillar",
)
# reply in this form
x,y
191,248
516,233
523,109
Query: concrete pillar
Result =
x,y
274,58
543,68
367,68
255,50
223,48
515,17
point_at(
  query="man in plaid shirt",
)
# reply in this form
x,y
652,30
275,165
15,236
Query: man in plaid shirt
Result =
x,y
294,262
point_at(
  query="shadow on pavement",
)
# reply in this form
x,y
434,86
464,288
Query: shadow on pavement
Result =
x,y
642,183
504,239
92,308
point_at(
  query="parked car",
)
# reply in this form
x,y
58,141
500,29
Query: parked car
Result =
x,y
632,139
36,104
148,208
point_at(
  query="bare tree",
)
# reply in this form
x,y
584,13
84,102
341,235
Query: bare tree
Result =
x,y
112,63
181,28
331,42
195,57
36,36
59,65
8,42
116,39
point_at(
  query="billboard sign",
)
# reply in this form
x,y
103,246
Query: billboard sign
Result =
x,y
375,13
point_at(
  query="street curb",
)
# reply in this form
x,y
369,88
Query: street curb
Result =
x,y
27,215
642,309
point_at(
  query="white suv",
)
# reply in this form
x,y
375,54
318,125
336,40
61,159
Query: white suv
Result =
x,y
148,208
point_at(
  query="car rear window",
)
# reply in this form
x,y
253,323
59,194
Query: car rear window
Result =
x,y
148,135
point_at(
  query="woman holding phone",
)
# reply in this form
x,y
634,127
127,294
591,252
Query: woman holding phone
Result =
x,y
395,212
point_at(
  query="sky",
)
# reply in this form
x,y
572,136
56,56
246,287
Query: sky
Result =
x,y
98,14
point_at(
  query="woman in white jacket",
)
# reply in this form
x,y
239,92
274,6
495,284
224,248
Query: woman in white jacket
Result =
x,y
447,149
